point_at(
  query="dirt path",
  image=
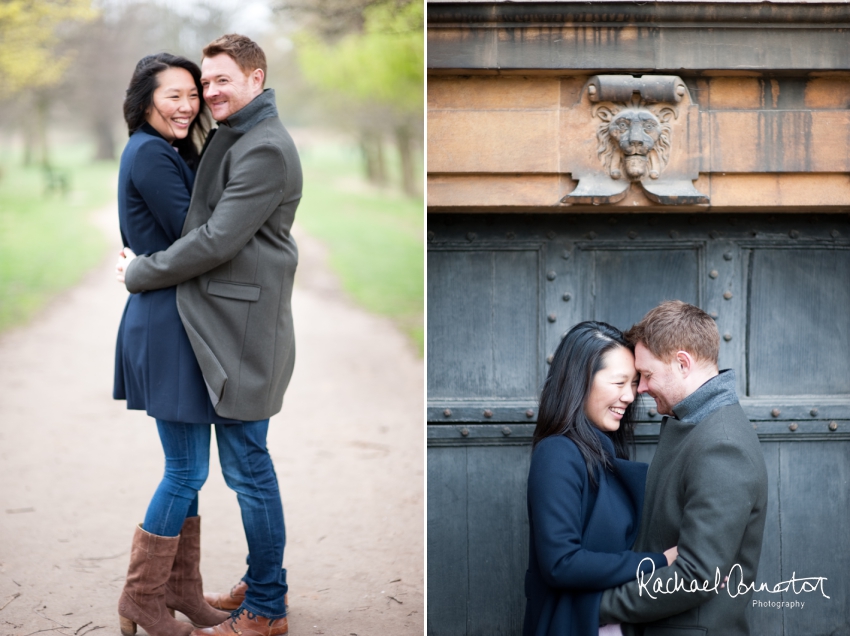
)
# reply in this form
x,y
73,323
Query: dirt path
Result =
x,y
77,469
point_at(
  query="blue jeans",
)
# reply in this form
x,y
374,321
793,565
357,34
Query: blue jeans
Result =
x,y
248,470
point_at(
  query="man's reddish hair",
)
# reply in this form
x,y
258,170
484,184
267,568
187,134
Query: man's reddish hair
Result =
x,y
677,326
243,50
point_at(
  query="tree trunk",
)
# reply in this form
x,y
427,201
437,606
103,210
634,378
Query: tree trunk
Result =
x,y
42,107
29,138
105,150
373,157
403,141
381,172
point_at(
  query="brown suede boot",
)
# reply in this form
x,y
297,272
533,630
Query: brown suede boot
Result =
x,y
184,591
234,598
247,624
142,601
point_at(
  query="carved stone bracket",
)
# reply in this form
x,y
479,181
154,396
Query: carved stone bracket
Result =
x,y
646,130
621,88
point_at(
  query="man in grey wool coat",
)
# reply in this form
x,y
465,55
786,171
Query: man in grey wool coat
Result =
x,y
706,490
234,267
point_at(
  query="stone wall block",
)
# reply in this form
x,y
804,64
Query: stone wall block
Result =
x,y
492,141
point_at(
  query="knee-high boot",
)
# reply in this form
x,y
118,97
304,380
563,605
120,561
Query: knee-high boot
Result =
x,y
142,601
184,591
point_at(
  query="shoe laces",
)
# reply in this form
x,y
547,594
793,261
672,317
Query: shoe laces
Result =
x,y
235,614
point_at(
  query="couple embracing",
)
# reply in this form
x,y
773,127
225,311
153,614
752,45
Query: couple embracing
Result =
x,y
604,529
206,338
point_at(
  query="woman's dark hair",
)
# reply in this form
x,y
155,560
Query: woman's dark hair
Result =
x,y
140,97
575,363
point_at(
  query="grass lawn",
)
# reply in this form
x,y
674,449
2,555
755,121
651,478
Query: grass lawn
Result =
x,y
375,237
46,240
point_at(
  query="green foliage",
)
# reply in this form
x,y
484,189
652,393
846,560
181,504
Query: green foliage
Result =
x,y
382,65
375,237
47,241
28,33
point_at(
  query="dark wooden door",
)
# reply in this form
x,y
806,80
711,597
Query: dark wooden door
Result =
x,y
503,289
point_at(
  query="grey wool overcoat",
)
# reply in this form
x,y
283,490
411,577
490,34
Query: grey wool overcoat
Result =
x,y
235,262
706,492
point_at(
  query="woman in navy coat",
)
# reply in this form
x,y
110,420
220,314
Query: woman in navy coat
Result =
x,y
155,367
584,496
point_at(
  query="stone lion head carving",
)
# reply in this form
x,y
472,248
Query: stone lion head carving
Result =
x,y
634,139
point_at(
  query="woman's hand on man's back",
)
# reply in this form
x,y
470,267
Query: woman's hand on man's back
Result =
x,y
671,555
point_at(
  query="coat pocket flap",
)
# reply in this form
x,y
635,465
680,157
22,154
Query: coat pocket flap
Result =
x,y
670,630
237,291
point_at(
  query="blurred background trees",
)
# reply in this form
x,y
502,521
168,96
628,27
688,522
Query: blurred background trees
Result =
x,y
349,83
31,62
350,65
30,30
372,62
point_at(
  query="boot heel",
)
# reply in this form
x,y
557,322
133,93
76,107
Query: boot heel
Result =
x,y
128,627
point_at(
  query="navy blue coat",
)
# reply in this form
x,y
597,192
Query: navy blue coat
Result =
x,y
155,367
579,537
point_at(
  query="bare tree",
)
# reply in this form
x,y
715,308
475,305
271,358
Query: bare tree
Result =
x,y
329,18
103,54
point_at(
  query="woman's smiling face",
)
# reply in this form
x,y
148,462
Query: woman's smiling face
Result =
x,y
614,387
176,103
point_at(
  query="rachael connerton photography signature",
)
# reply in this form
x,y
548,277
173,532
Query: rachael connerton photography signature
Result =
x,y
675,584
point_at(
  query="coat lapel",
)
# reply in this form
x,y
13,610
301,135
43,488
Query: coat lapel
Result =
x,y
211,177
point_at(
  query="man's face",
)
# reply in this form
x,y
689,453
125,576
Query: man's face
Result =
x,y
660,379
227,90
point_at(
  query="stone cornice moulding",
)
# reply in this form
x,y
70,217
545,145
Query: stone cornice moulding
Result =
x,y
609,2
654,1
613,13
630,37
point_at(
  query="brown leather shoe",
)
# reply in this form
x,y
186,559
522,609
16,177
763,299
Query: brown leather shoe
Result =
x,y
229,601
245,623
142,600
234,598
184,589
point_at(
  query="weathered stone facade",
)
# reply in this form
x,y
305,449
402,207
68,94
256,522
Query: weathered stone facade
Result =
x,y
508,107
587,160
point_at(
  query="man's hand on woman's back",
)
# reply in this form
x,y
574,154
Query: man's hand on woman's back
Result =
x,y
124,257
